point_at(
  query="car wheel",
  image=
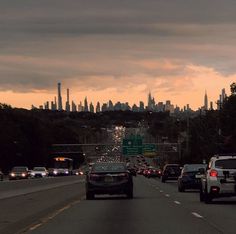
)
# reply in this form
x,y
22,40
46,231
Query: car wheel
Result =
x,y
163,180
89,196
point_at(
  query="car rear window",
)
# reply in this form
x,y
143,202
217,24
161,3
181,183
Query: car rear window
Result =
x,y
194,167
226,164
109,167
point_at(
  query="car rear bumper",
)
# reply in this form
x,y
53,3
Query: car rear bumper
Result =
x,y
109,189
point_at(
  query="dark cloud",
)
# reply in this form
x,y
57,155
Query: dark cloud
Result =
x,y
78,41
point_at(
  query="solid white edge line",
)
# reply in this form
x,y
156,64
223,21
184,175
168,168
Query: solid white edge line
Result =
x,y
197,215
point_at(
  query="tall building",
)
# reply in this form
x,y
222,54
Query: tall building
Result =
x,y
211,106
110,106
73,106
86,109
80,107
151,102
98,107
205,101
91,107
68,101
141,106
59,97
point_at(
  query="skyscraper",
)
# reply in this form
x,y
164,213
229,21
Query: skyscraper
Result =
x,y
98,107
86,109
205,101
59,97
68,101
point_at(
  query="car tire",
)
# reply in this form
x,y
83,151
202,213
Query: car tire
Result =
x,y
89,196
163,180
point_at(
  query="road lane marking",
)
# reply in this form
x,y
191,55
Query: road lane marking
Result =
x,y
197,215
51,216
161,191
35,227
167,195
177,202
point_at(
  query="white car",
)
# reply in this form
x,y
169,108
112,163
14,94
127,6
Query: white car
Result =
x,y
219,179
39,172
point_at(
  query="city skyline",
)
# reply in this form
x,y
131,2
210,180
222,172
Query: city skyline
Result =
x,y
150,105
122,50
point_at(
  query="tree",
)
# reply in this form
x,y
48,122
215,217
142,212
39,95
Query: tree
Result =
x,y
233,88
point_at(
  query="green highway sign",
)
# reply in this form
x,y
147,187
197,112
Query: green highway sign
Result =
x,y
133,145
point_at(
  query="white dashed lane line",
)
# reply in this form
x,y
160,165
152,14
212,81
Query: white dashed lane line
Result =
x,y
177,202
167,195
197,215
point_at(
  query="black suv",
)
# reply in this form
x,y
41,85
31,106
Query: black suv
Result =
x,y
170,172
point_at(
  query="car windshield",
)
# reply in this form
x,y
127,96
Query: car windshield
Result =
x,y
194,167
19,169
109,167
226,164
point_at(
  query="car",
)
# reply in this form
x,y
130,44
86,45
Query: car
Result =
x,y
39,172
219,179
109,178
170,172
1,175
153,172
190,177
20,172
78,172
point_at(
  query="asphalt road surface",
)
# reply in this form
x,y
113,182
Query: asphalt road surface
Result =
x,y
156,208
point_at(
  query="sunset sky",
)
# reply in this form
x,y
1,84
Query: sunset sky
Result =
x,y
116,49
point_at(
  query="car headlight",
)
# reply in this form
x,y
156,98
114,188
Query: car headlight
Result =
x,y
67,172
55,172
12,174
23,174
43,173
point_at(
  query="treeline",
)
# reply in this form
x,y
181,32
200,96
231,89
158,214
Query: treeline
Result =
x,y
202,136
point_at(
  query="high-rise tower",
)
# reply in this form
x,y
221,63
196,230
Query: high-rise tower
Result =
x,y
205,101
59,97
68,101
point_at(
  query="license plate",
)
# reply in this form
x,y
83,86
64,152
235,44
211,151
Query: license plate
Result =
x,y
108,179
198,176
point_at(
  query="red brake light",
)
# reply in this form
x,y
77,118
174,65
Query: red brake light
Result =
x,y
213,173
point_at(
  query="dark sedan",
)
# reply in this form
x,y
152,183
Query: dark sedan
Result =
x,y
170,172
19,173
109,178
190,177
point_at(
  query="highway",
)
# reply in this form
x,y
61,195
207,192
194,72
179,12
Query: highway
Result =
x,y
58,205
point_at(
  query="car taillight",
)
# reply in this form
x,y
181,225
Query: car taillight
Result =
x,y
213,173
